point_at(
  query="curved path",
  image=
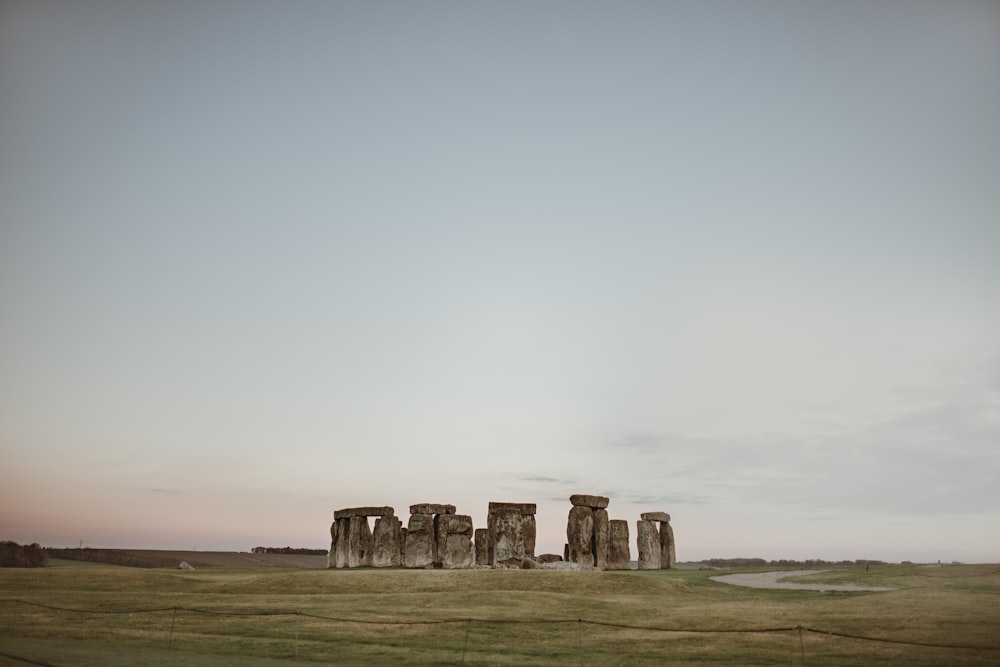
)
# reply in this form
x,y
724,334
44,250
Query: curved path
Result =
x,y
773,580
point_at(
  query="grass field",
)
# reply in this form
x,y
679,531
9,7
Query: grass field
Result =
x,y
274,616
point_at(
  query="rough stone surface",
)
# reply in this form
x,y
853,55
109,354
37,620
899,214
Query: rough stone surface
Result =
x,y
600,538
529,532
402,545
648,542
454,541
593,502
331,559
523,508
360,544
619,554
580,534
420,541
549,558
343,530
506,533
385,537
482,539
431,508
668,553
654,516
363,511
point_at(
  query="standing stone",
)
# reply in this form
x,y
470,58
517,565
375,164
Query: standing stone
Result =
x,y
386,537
402,545
482,539
528,534
601,538
454,541
343,548
580,535
506,536
331,558
648,542
420,541
619,555
360,545
668,553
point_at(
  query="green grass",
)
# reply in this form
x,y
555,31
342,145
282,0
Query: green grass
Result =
x,y
493,617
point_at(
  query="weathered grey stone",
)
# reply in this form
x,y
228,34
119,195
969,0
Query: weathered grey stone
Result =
x,y
523,508
363,511
343,548
529,532
593,502
668,553
420,541
454,541
529,564
648,542
385,537
619,554
482,539
184,565
431,508
549,558
402,545
580,534
601,538
360,544
654,516
506,536
331,558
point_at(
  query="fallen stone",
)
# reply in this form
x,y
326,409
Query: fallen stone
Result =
x,y
566,565
549,558
431,508
529,564
385,538
600,538
580,534
363,511
420,541
619,554
593,502
648,542
655,516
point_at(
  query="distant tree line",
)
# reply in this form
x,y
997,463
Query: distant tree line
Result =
x,y
812,562
13,554
297,551
114,557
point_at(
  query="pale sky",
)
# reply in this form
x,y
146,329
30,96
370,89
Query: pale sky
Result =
x,y
737,261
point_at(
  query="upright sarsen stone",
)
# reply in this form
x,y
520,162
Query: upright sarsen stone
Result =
x,y
482,539
359,541
453,533
342,547
386,538
619,554
420,542
512,533
648,542
580,535
668,553
600,542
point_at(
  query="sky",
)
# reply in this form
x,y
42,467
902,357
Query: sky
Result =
x,y
736,261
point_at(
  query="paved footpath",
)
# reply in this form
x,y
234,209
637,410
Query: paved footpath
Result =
x,y
773,580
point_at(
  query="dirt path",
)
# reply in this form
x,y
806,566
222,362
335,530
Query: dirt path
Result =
x,y
773,580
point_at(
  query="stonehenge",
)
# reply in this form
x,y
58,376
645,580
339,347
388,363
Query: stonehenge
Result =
x,y
435,536
590,540
656,544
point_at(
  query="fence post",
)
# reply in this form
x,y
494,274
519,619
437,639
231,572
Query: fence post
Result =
x,y
802,647
13,627
298,621
173,620
580,623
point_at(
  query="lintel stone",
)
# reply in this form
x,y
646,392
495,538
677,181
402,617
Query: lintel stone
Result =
x,y
431,508
655,516
521,508
593,502
363,511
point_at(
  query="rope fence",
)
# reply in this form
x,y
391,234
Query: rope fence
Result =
x,y
20,607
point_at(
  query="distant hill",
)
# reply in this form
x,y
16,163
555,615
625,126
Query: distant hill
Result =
x,y
198,559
